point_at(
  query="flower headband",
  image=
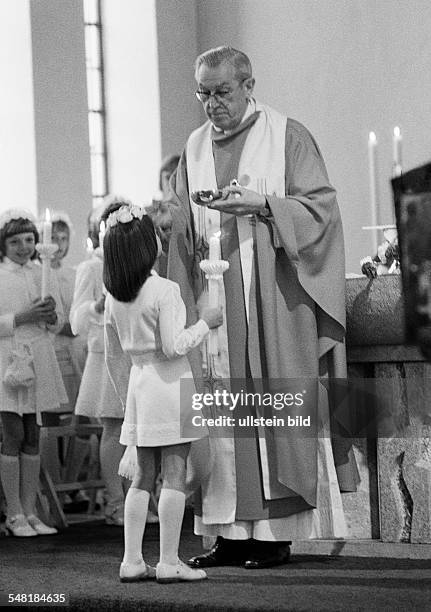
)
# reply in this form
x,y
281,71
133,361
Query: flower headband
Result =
x,y
13,214
125,214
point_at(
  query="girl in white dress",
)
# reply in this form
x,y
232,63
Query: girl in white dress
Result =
x,y
70,351
31,380
144,326
97,397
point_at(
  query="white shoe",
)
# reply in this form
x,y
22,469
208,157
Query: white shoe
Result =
x,y
152,518
39,527
135,572
19,527
178,573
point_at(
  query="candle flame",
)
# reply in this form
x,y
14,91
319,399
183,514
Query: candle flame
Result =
x,y
89,245
47,215
397,132
372,137
102,227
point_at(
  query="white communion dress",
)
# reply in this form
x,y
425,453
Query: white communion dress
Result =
x,y
97,397
149,333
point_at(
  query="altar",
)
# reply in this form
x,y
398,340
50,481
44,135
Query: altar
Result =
x,y
393,502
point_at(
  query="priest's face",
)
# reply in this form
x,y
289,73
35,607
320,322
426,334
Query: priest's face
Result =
x,y
223,94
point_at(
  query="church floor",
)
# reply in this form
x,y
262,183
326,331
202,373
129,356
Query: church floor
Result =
x,y
83,562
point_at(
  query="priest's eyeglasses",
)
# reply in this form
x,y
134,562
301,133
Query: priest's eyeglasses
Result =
x,y
223,94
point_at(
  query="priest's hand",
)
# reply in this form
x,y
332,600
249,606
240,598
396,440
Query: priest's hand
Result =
x,y
240,201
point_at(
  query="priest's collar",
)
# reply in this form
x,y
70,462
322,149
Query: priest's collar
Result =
x,y
250,116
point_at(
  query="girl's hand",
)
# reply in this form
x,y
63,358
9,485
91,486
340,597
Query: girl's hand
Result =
x,y
39,311
213,317
99,306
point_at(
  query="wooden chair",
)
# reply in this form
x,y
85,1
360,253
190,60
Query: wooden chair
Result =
x,y
92,483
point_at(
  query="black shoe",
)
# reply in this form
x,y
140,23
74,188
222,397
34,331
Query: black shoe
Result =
x,y
268,554
224,552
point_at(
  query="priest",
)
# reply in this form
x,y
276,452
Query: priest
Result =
x,y
280,230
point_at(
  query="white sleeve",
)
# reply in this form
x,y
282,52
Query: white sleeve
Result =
x,y
175,339
118,362
82,311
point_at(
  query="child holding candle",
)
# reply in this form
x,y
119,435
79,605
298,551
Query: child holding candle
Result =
x,y
97,397
144,324
31,382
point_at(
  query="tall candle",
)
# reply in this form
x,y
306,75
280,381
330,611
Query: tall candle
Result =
x,y
102,231
372,168
47,228
396,151
46,256
214,247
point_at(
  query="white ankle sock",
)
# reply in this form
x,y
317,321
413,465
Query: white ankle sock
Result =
x,y
10,479
30,471
135,516
171,513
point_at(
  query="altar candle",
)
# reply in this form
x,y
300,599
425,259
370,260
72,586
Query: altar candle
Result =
x,y
372,167
102,231
47,228
396,149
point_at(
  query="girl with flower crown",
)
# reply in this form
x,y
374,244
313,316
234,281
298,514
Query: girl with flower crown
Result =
x,y
144,325
30,379
97,397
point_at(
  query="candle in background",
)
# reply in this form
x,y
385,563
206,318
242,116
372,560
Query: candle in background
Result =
x,y
47,228
102,231
46,257
372,169
215,252
396,149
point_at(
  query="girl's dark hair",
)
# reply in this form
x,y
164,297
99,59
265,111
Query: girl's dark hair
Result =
x,y
129,253
101,213
17,226
60,226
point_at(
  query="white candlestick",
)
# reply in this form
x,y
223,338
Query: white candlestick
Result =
x,y
372,168
102,231
396,151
